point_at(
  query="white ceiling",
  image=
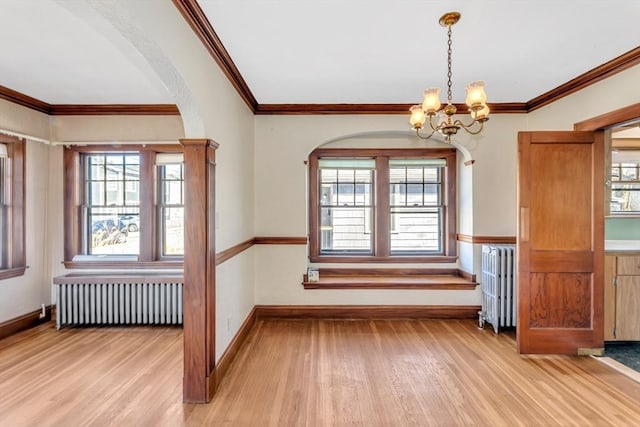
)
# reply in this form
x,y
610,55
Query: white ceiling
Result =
x,y
329,51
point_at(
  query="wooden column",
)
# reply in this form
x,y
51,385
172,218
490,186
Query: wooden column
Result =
x,y
199,270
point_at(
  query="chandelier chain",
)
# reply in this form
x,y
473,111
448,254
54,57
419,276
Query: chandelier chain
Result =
x,y
449,74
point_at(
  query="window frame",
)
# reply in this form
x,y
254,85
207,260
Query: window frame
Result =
x,y
381,213
149,255
14,191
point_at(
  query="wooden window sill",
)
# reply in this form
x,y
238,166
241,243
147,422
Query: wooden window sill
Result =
x,y
123,265
389,259
12,272
436,279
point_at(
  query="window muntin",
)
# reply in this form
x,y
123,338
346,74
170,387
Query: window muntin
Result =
x,y
346,205
171,209
432,197
112,189
416,208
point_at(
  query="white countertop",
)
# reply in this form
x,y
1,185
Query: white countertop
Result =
x,y
622,245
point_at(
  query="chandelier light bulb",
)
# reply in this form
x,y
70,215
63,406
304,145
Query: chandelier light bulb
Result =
x,y
482,114
476,95
431,103
418,117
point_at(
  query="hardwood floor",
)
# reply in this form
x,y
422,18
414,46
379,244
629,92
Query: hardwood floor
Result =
x,y
309,373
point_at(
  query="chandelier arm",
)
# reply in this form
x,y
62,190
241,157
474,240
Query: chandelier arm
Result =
x,y
468,127
419,135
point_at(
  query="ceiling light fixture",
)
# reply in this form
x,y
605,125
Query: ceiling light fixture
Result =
x,y
476,101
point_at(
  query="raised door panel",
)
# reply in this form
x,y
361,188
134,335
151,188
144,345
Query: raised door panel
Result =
x,y
628,308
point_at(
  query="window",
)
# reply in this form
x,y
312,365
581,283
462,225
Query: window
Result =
x,y
625,182
12,232
124,207
382,205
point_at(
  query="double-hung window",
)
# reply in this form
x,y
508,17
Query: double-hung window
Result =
x,y
124,207
382,205
12,192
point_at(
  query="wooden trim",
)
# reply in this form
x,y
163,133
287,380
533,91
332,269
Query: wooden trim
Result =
x,y
12,272
381,240
107,148
390,259
199,271
234,347
608,69
123,265
617,117
234,250
24,100
23,322
113,110
359,109
392,278
486,239
17,228
201,26
148,211
87,109
274,240
367,311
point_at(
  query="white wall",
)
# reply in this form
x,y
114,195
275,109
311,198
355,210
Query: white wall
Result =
x,y
24,294
227,120
486,195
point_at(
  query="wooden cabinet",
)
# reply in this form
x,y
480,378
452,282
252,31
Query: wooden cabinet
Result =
x,y
622,298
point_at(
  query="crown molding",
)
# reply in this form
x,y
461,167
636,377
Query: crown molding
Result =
x,y
197,20
24,100
114,110
310,109
87,110
608,69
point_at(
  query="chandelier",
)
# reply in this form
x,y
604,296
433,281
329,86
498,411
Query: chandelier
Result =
x,y
430,108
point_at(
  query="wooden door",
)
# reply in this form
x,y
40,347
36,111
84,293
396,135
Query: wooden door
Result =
x,y
560,247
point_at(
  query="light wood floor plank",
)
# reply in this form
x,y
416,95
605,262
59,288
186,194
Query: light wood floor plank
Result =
x,y
309,373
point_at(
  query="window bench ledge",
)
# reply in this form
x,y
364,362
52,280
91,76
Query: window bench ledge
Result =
x,y
435,279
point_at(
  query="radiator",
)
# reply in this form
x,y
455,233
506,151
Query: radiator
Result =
x,y
498,286
145,303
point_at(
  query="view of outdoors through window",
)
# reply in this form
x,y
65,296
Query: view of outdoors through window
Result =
x,y
113,200
625,187
171,189
416,205
112,208
346,205
346,208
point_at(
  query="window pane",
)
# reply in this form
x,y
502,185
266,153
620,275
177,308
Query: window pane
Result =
x,y
171,197
416,230
173,192
625,198
112,218
115,193
415,202
96,196
328,175
345,194
346,229
629,172
113,232
414,194
173,232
